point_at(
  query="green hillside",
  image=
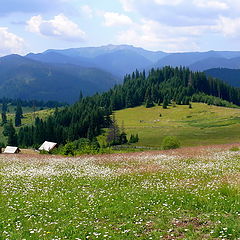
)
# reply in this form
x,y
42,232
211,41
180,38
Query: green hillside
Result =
x,y
87,117
28,117
201,125
23,78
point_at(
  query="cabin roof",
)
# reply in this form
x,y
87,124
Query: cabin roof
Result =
x,y
10,149
47,146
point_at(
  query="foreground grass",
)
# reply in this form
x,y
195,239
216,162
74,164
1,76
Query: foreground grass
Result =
x,y
141,196
201,125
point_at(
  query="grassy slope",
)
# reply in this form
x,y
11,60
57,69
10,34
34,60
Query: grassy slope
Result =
x,y
200,125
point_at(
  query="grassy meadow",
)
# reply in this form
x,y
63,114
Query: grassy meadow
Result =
x,y
183,194
201,125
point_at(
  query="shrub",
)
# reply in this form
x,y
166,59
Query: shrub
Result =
x,y
170,142
134,138
68,149
234,149
44,152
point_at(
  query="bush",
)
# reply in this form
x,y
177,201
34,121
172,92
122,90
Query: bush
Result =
x,y
2,145
134,138
68,149
234,149
170,142
44,152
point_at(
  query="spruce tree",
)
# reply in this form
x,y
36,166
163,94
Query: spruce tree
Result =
x,y
80,96
12,136
18,115
113,133
4,106
165,103
4,111
4,118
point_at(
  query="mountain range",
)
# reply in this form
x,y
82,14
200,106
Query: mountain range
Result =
x,y
61,74
231,76
23,78
122,59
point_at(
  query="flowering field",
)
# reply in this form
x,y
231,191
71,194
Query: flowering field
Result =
x,y
189,193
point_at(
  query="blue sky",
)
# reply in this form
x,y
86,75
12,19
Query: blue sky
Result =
x,y
165,25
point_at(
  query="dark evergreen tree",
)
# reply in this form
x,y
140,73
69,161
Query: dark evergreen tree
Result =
x,y
149,104
10,132
4,118
4,106
165,103
18,115
80,96
113,136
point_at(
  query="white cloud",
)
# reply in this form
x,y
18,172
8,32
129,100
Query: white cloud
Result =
x,y
168,2
172,25
211,4
128,5
60,27
183,12
230,27
116,19
154,35
10,43
87,11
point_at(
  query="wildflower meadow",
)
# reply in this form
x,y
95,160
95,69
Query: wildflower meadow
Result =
x,y
191,193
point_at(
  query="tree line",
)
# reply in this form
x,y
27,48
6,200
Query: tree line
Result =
x,y
31,103
89,115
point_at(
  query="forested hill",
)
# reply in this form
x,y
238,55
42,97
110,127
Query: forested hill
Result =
x,y
26,79
90,114
231,76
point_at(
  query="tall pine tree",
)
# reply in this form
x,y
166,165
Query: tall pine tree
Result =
x,y
18,115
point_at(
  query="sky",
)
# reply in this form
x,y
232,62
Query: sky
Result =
x,y
158,25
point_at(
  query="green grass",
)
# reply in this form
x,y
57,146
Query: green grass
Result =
x,y
201,125
85,199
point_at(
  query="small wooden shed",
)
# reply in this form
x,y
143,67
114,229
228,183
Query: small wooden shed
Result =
x,y
47,146
12,150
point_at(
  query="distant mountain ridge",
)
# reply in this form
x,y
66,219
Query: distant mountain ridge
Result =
x,y
231,76
61,74
24,78
118,60
123,59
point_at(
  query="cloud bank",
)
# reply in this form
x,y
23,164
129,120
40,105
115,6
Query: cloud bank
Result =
x,y
59,27
179,24
10,43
